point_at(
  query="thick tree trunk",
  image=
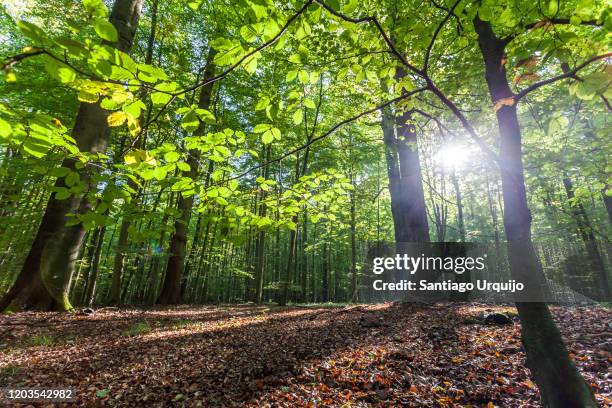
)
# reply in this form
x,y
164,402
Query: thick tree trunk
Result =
x,y
44,277
560,383
405,183
171,289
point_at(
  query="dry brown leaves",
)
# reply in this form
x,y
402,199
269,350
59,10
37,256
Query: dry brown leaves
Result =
x,y
271,356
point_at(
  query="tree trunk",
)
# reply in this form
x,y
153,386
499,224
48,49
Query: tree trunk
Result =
x,y
171,289
459,201
90,287
585,230
353,297
558,379
405,183
42,283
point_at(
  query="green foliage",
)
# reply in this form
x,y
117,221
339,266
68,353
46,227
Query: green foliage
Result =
x,y
41,339
137,329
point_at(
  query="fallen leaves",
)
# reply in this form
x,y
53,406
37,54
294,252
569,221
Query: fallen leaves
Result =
x,y
305,357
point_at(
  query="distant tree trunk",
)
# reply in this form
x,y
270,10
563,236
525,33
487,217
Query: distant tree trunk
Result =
x,y
325,284
171,289
260,244
558,379
43,281
305,263
607,200
90,288
196,240
585,230
405,183
353,244
459,201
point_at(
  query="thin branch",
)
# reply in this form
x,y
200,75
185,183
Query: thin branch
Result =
x,y
606,102
466,124
565,75
533,25
249,54
374,20
441,7
544,22
436,33
329,132
10,61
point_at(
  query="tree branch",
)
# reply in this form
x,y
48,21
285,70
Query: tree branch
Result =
x,y
533,25
565,75
466,124
374,20
250,54
329,132
436,33
8,62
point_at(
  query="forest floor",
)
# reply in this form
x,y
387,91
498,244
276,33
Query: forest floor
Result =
x,y
359,356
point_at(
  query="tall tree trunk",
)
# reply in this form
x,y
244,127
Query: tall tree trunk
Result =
x,y
90,288
44,277
260,244
405,183
459,201
585,230
558,379
171,289
353,296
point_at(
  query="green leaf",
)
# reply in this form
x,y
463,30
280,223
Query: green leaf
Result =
x,y
296,59
116,119
291,75
350,6
261,128
195,5
87,97
297,117
267,137
59,71
102,393
309,103
106,30
171,157
32,31
190,122
5,128
182,166
95,8
160,98
303,77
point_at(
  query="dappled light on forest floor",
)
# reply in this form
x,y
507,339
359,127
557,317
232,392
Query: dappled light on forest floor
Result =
x,y
377,355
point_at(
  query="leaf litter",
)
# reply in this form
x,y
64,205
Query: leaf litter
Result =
x,y
385,355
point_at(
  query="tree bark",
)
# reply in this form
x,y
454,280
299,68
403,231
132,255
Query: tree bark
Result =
x,y
44,277
558,379
405,183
